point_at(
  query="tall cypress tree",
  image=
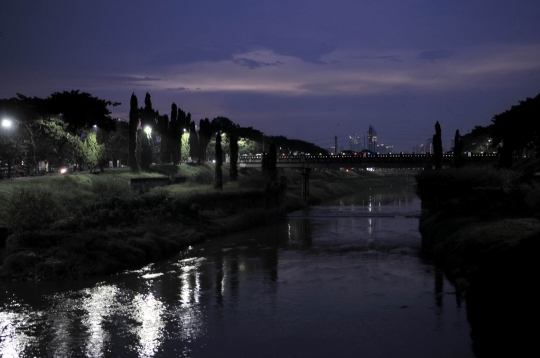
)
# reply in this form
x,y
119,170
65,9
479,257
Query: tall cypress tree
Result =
x,y
458,150
233,150
218,178
437,146
163,131
148,123
174,135
273,162
133,124
193,141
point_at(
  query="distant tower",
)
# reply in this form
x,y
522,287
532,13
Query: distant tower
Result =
x,y
355,143
372,139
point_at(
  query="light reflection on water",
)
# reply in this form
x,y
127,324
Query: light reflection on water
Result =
x,y
330,281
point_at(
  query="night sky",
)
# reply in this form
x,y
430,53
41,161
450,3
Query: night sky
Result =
x,y
304,69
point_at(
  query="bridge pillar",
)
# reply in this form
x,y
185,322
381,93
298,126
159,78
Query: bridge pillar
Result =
x,y
305,183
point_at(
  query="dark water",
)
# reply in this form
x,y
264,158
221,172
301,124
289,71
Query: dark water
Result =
x,y
344,280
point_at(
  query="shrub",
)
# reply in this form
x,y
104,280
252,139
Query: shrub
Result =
x,y
29,208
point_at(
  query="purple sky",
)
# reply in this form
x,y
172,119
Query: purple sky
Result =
x,y
304,69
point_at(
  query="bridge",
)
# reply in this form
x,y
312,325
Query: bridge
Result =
x,y
360,162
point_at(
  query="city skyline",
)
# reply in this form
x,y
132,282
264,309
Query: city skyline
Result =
x,y
306,70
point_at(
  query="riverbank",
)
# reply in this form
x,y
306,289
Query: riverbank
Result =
x,y
78,226
482,225
473,217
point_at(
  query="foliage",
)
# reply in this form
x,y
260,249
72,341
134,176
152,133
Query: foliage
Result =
x,y
218,178
164,131
437,146
29,209
458,151
90,151
133,124
479,140
272,157
81,111
117,143
295,146
205,134
185,146
233,147
193,141
518,129
148,116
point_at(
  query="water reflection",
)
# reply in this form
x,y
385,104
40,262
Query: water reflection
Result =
x,y
319,283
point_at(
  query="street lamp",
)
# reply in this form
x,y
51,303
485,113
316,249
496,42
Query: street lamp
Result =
x,y
6,123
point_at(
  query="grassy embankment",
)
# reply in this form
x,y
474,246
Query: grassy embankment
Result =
x,y
76,226
480,219
483,226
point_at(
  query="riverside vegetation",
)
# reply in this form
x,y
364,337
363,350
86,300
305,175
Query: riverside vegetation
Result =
x,y
78,226
482,225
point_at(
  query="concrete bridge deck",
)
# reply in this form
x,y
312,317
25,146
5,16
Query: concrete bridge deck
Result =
x,y
398,161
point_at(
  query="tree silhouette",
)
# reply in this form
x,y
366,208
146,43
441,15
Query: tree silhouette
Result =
x,y
205,134
218,178
233,149
164,132
193,141
459,161
133,124
272,153
518,129
175,133
148,116
437,146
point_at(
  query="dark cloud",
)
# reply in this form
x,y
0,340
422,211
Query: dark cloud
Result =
x,y
252,64
178,89
434,55
307,49
193,54
392,58
132,78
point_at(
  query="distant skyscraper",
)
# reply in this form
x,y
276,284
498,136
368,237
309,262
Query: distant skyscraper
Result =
x,y
355,143
372,139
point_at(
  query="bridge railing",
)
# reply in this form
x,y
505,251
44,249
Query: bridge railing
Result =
x,y
366,158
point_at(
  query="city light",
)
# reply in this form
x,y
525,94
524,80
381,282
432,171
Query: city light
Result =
x,y
148,130
6,122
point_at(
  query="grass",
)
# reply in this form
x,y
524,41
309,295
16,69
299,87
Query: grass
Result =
x,y
476,219
80,225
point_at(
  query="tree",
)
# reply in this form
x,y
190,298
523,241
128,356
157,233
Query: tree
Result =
x,y
90,150
233,150
81,111
193,141
459,161
148,116
218,178
518,129
223,124
117,144
164,132
205,134
272,153
175,135
437,146
133,124
479,140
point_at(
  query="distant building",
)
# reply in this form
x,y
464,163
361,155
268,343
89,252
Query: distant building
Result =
x,y
355,143
385,148
372,139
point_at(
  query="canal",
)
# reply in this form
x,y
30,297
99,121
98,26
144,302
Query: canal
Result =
x,y
346,279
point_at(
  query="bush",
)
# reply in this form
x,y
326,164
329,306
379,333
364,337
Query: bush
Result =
x,y
29,209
